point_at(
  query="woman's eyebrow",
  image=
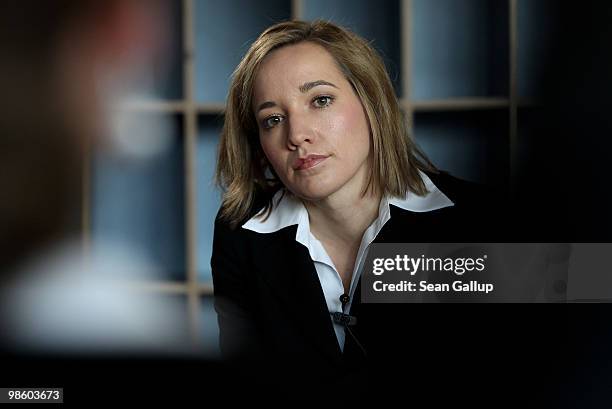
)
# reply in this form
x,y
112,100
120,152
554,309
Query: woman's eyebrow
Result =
x,y
267,104
307,86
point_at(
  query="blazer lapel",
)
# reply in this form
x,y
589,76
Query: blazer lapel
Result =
x,y
287,268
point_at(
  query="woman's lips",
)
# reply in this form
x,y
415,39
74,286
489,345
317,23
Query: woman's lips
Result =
x,y
308,162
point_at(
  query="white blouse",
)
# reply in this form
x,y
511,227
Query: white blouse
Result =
x,y
291,211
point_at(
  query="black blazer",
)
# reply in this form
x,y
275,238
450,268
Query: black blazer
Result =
x,y
272,313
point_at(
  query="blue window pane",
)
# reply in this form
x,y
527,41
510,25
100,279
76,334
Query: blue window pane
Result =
x,y
460,48
535,28
224,31
209,327
209,197
378,22
469,145
138,195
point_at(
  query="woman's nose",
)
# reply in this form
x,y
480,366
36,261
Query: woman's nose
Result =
x,y
299,131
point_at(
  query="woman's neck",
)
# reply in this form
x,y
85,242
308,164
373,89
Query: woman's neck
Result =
x,y
343,219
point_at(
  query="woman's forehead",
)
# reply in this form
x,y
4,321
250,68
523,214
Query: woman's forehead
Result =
x,y
293,65
297,61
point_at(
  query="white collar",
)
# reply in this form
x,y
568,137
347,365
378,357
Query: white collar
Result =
x,y
288,210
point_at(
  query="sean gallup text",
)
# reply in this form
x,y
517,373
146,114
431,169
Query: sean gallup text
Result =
x,y
424,286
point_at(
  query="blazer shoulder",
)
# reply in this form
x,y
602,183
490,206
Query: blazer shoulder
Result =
x,y
224,226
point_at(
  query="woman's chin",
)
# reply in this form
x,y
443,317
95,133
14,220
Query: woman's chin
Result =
x,y
312,195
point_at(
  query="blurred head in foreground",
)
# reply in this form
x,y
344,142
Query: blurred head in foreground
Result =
x,y
62,62
66,66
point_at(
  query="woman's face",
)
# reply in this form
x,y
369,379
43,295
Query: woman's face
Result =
x,y
312,126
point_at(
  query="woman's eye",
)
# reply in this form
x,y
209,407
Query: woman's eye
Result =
x,y
272,121
322,101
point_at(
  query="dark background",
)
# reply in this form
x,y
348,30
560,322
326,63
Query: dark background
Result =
x,y
537,355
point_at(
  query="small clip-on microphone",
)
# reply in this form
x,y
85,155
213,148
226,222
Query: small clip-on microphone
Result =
x,y
347,320
342,318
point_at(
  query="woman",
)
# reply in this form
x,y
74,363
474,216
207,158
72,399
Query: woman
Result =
x,y
316,165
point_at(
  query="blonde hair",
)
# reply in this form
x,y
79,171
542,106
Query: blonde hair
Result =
x,y
242,165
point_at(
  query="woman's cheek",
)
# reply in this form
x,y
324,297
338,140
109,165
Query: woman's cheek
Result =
x,y
278,161
268,149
